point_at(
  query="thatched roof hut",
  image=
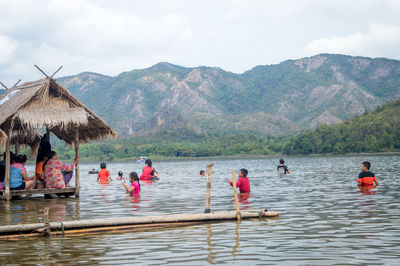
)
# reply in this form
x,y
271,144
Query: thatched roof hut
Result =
x,y
45,103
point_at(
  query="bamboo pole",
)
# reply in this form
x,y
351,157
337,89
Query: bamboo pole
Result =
x,y
112,222
235,194
208,197
77,181
46,221
7,172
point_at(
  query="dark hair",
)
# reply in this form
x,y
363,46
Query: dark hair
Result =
x,y
20,158
12,157
49,156
281,161
201,172
103,165
244,172
135,177
120,173
148,162
367,164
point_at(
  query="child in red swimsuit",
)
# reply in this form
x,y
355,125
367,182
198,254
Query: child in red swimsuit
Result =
x,y
104,175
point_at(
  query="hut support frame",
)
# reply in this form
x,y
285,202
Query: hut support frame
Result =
x,y
7,174
77,181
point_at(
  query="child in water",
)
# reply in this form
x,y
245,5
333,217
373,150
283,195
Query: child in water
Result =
x,y
243,182
135,185
147,173
366,179
282,168
104,175
120,175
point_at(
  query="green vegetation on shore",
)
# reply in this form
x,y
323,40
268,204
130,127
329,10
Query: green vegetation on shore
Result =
x,y
377,131
156,147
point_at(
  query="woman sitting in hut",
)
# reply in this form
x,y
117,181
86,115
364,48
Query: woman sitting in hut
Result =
x,y
53,171
18,176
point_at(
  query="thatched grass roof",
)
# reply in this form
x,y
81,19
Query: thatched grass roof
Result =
x,y
45,103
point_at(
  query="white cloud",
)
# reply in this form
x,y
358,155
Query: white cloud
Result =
x,y
110,37
378,41
7,48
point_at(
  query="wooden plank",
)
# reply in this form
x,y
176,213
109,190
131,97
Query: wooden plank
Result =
x,y
69,190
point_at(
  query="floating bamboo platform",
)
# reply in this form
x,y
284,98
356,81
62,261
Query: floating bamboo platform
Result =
x,y
48,193
79,227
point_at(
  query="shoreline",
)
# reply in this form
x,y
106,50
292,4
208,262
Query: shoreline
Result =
x,y
238,156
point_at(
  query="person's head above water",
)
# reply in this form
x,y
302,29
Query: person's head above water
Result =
x,y
120,173
103,165
148,162
366,166
202,172
281,161
243,172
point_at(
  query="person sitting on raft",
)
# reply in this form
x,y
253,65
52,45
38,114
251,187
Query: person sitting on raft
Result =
x,y
53,168
243,182
19,179
135,185
104,175
147,171
40,181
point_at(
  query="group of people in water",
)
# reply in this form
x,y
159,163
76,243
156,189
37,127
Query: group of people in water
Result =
x,y
50,173
148,174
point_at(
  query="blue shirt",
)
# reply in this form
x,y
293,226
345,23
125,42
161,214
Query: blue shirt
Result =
x,y
15,177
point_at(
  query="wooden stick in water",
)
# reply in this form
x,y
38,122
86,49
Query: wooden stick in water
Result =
x,y
208,197
235,194
46,221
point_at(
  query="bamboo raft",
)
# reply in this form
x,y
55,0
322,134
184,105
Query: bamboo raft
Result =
x,y
79,227
48,193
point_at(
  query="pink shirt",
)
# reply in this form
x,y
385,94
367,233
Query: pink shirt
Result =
x,y
137,189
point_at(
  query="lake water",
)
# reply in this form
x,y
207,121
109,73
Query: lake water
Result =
x,y
324,219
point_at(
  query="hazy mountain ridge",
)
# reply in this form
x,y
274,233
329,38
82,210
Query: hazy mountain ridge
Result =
x,y
271,99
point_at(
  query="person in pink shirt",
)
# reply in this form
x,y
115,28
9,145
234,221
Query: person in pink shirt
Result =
x,y
243,182
134,188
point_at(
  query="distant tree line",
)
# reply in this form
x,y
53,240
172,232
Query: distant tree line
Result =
x,y
377,131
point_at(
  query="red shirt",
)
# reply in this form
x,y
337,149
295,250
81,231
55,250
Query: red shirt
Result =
x,y
243,184
104,174
366,179
146,174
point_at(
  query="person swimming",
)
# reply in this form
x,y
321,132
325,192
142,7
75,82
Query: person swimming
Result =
x,y
120,175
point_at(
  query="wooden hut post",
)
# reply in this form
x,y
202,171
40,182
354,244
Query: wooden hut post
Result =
x,y
7,172
16,146
208,197
77,181
235,194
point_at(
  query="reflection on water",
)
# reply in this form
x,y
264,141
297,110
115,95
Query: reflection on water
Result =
x,y
325,218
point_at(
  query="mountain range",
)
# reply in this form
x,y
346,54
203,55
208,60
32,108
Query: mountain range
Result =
x,y
276,99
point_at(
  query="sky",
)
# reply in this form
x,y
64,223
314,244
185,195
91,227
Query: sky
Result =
x,y
110,37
